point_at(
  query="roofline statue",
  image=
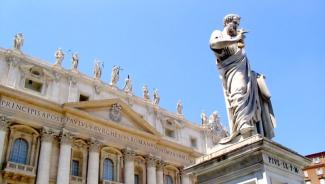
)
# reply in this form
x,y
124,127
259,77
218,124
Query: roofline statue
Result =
x,y
18,41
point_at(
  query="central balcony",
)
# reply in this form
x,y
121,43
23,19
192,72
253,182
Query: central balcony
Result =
x,y
77,180
110,182
19,172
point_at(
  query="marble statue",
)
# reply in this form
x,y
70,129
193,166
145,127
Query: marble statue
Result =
x,y
59,56
18,41
247,97
98,69
214,117
156,97
75,61
179,107
204,119
115,75
145,92
128,85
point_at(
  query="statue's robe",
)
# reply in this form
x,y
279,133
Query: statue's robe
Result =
x,y
246,94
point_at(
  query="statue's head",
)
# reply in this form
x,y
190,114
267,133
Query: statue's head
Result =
x,y
231,18
231,23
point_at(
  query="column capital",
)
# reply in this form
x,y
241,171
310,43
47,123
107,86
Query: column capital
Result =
x,y
151,160
94,145
66,137
4,122
128,154
160,165
47,134
181,171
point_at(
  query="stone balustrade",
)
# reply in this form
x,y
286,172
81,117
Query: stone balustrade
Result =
x,y
110,182
77,180
21,169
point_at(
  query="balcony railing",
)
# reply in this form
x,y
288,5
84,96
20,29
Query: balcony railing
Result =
x,y
21,169
110,182
76,180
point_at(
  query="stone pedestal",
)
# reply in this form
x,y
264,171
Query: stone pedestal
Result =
x,y
255,160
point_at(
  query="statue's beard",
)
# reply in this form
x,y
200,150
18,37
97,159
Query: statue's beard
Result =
x,y
232,30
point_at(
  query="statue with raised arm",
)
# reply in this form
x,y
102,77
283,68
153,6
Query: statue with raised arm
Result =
x,y
156,97
115,75
18,41
59,56
128,85
97,69
247,97
145,92
75,61
179,107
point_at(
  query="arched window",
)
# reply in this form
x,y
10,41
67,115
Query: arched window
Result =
x,y
168,179
19,151
108,169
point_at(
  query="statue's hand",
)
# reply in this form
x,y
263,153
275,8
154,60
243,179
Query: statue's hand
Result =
x,y
241,34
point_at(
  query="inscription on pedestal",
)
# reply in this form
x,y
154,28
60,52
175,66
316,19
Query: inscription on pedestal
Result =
x,y
282,164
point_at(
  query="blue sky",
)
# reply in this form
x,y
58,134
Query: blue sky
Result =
x,y
164,44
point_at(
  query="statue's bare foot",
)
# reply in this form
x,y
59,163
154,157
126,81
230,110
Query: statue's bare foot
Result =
x,y
246,128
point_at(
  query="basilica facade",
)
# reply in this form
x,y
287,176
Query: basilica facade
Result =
x,y
61,126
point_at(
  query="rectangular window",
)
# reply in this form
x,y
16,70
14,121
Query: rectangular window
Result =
x,y
83,98
75,168
193,142
170,133
33,85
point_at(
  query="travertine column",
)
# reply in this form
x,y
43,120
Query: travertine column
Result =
x,y
160,172
93,162
43,172
128,166
64,158
4,122
184,177
151,169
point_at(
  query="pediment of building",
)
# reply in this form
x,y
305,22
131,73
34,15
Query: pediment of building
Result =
x,y
114,111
